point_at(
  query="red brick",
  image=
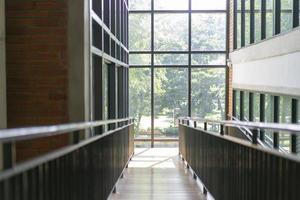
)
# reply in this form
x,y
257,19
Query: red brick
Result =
x,y
37,70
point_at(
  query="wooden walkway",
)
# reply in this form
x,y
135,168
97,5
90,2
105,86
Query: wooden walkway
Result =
x,y
157,174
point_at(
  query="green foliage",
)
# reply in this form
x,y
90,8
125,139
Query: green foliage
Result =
x,y
171,84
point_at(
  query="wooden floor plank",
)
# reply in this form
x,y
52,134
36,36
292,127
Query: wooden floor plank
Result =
x,y
158,174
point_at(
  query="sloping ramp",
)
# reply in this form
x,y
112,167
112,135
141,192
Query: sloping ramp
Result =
x,y
157,173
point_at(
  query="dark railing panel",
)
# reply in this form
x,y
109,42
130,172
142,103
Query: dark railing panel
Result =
x,y
233,169
88,170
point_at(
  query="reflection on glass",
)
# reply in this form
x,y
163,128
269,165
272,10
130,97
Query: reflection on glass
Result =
x,y
208,93
170,59
170,32
208,59
139,4
208,32
257,19
140,101
170,100
140,32
286,21
140,59
247,22
171,4
285,116
269,18
208,4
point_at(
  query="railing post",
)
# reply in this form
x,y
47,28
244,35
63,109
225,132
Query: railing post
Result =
x,y
254,136
8,155
76,137
195,124
205,126
221,129
294,143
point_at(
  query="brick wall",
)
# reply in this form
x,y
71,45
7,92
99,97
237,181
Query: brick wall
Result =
x,y
231,39
37,69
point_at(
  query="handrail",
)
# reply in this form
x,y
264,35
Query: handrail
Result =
x,y
17,134
294,128
54,155
264,144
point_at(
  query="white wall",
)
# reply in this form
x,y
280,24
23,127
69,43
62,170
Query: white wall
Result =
x,y
2,73
270,66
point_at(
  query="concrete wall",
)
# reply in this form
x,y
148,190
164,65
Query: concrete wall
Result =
x,y
271,66
79,60
2,74
79,76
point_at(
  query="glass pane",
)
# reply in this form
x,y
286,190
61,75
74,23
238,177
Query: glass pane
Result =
x,y
285,116
208,93
140,101
171,5
269,18
209,5
238,24
170,32
140,32
257,16
286,21
269,117
139,4
246,106
208,59
247,22
208,32
298,116
140,59
170,59
142,144
256,107
237,104
170,100
105,89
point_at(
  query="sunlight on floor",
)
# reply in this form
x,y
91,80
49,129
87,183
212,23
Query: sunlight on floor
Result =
x,y
154,158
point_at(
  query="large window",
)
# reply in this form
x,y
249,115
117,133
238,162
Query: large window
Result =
x,y
285,116
256,19
208,31
266,107
208,93
140,26
181,48
140,101
286,15
171,4
170,32
170,100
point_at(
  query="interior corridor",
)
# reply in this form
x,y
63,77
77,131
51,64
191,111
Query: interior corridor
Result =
x,y
157,173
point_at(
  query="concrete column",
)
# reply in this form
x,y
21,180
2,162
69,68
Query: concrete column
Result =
x,y
2,73
79,60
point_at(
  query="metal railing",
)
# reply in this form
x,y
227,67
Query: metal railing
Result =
x,y
88,169
253,130
234,169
